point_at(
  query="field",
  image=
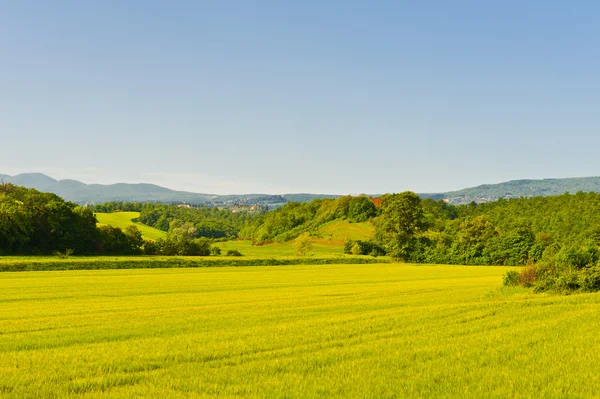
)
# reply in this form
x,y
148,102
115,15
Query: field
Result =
x,y
328,240
384,330
124,219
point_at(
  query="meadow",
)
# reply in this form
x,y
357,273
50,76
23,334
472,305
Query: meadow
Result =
x,y
124,219
382,330
327,240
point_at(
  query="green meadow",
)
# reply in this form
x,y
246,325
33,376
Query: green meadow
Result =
x,y
328,240
377,331
124,219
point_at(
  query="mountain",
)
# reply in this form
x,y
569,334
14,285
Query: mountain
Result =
x,y
520,188
76,191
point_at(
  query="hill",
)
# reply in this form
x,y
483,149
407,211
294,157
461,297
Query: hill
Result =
x,y
124,219
519,188
81,193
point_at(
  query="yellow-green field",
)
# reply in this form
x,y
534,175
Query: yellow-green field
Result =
x,y
385,330
327,241
124,219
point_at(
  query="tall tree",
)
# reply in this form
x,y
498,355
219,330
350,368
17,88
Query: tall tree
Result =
x,y
401,221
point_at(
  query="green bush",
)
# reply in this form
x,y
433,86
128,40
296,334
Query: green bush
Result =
x,y
233,252
511,278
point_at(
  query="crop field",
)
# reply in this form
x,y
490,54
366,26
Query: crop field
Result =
x,y
124,219
383,330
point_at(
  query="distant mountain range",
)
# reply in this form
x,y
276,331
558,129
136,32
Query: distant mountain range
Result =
x,y
75,191
519,188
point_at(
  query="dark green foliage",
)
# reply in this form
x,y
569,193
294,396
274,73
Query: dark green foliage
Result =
x,y
38,223
215,251
208,222
143,263
358,247
118,206
64,255
361,209
402,219
293,219
506,232
511,278
114,241
183,240
233,252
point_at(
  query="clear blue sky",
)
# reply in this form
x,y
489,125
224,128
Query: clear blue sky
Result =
x,y
304,96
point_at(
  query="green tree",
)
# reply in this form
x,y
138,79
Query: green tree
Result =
x,y
401,222
361,209
303,245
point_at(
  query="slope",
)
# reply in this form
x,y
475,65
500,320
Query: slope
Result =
x,y
124,219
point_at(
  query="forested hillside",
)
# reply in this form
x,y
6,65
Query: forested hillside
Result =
x,y
520,188
209,222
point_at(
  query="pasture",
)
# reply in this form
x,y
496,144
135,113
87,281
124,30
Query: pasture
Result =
x,y
124,219
382,330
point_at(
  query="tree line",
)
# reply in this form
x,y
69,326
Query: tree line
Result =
x,y
36,223
558,235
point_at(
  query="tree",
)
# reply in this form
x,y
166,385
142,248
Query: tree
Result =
x,y
400,223
361,209
303,245
134,237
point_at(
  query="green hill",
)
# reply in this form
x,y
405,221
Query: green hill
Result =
x,y
124,219
518,189
328,240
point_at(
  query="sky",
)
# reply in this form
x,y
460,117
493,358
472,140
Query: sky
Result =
x,y
307,96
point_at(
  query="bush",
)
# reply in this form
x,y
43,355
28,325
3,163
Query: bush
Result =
x,y
303,245
528,275
233,252
215,251
358,247
150,248
64,255
348,246
511,278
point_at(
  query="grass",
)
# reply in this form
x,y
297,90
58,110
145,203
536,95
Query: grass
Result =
x,y
338,231
285,249
124,219
384,330
327,241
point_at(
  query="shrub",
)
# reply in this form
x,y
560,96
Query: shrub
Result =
x,y
233,252
150,247
215,251
64,255
528,275
303,245
348,246
511,278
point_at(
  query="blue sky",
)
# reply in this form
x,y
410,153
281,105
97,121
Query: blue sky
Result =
x,y
306,96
